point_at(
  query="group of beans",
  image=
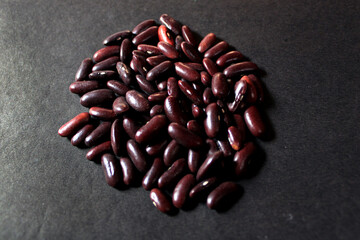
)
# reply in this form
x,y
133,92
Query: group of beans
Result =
x,y
176,112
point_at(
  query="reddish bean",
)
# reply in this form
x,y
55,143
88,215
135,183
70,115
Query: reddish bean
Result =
x,y
184,137
151,129
243,157
182,190
171,23
96,152
143,26
106,52
117,87
111,169
238,68
159,70
188,35
84,69
216,50
221,193
172,152
100,133
80,136
212,121
207,42
190,52
106,64
81,87
165,35
254,121
151,177
103,75
145,35
190,92
156,110
137,101
102,113
136,155
173,174
116,136
219,86
160,200
120,105
128,170
173,110
72,126
116,38
186,72
208,166
228,58
203,188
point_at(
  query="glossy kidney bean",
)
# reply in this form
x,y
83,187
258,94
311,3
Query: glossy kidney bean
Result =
x,y
140,64
196,111
190,92
160,200
216,50
212,146
80,136
156,60
243,157
203,188
173,110
108,63
143,26
188,35
149,49
184,137
219,86
141,53
178,41
171,23
235,138
224,146
208,96
137,156
195,127
116,38
190,52
158,96
210,66
168,50
208,166
194,160
120,105
100,133
228,58
156,110
165,35
205,78
125,73
172,174
103,75
81,87
172,152
156,148
117,87
182,189
106,52
145,35
111,169
239,92
128,170
146,86
195,65
159,70
254,121
238,68
221,193
102,113
207,42
116,136
151,177
259,88
172,87
125,51
97,151
84,69
72,126
151,129
186,72
130,127
251,92
137,101
212,121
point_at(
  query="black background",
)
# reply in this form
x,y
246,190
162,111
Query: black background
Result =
x,y
309,185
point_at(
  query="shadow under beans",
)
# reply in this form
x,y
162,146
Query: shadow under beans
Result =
x,y
227,203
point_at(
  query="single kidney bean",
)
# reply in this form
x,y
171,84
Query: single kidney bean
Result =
x,y
168,50
103,75
137,101
243,157
165,35
81,87
84,69
173,174
259,88
141,53
228,58
145,35
160,200
111,169
190,52
238,68
216,50
194,127
190,92
140,64
194,160
208,96
235,138
188,35
207,42
156,60
116,137
195,65
172,152
173,110
102,113
182,190
136,155
156,110
205,78
106,52
196,111
178,41
251,92
149,49
158,96
98,151
80,136
145,85
240,90
127,170
161,85
125,73
210,66
130,127
203,188
143,26
72,126
151,177
221,193
125,50
184,137
97,97
116,38
186,72
108,63
254,121
156,148
172,87
117,87
219,86
100,133
212,121
151,129
224,147
209,165
171,23
159,70
120,105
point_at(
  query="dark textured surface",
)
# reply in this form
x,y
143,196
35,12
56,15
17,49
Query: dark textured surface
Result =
x,y
309,185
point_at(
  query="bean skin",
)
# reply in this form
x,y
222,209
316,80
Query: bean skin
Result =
x,y
208,96
120,106
137,101
125,51
165,36
254,121
106,52
84,69
210,66
117,87
97,97
209,165
156,60
203,188
188,35
151,129
238,68
80,136
116,38
190,92
145,85
216,50
72,126
173,110
172,152
160,200
228,58
125,73
146,35
184,137
207,42
235,138
172,87
212,121
171,23
219,86
100,132
259,88
221,193
116,137
128,170
103,75
98,151
156,110
102,113
168,50
111,169
82,87
143,26
137,156
151,177
159,70
186,72
182,189
130,127
149,49
190,52
108,63
243,157
173,174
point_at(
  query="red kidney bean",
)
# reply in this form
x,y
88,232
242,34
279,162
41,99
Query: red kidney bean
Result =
x,y
203,188
184,137
172,87
210,66
125,73
259,88
238,68
216,50
208,96
136,155
224,147
243,157
165,35
194,157
156,148
143,26
145,85
173,110
186,72
141,53
111,169
168,50
212,121
103,75
240,91
161,85
156,110
196,111
158,96
151,129
116,38
160,200
117,87
120,105
149,49
171,23
196,66
100,133
228,58
106,52
210,163
190,92
128,170
190,52
173,174
221,193
116,137
137,101
151,177
156,60
235,138
254,121
102,113
159,70
188,35
178,41
212,146
130,127
205,78
172,152
140,64
84,69
194,127
97,151
80,136
146,35
207,42
81,87
108,63
251,92
219,86
182,190
125,50
72,126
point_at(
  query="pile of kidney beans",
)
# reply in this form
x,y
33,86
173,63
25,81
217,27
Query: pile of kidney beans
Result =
x,y
178,113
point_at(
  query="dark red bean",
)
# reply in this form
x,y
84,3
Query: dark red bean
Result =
x,y
173,174
238,68
203,188
159,70
103,75
132,66
116,137
106,52
172,152
173,110
108,63
172,87
97,97
259,88
140,64
219,86
186,72
151,129
130,127
212,121
156,110
117,87
143,26
171,23
182,190
165,35
120,105
254,121
156,60
80,136
221,193
205,78
84,69
251,92
111,169
240,124
210,66
196,66
116,38
151,177
243,157
96,152
161,85
188,35
190,52
81,87
184,137
156,148
149,49
160,200
207,42
194,160
100,133
125,50
212,146
137,101
137,156
158,96
208,96
141,53
239,90
235,138
224,147
72,126
211,162
146,35
178,41
196,111
216,50
125,73
228,58
128,170
145,85
102,113
168,50
190,92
